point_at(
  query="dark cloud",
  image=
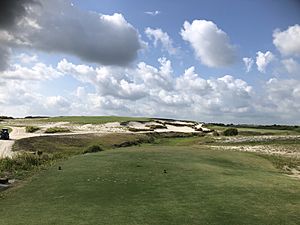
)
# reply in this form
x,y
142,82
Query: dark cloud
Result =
x,y
11,11
60,27
4,57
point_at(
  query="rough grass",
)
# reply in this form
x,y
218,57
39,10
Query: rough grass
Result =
x,y
156,185
53,130
31,129
21,165
259,130
74,144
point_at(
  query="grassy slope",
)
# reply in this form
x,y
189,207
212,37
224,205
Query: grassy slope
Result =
x,y
258,131
72,144
128,186
94,119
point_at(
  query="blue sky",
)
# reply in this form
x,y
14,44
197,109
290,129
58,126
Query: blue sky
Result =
x,y
179,59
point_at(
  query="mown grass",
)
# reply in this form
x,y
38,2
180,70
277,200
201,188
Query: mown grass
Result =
x,y
156,185
61,147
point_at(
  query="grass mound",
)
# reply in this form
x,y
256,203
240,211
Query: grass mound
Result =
x,y
231,132
31,129
52,130
93,149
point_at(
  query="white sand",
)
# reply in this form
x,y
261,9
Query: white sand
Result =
x,y
115,127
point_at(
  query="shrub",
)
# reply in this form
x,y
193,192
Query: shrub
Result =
x,y
31,129
93,149
21,162
133,129
231,132
52,130
216,133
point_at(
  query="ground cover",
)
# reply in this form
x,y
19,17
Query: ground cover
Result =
x,y
156,184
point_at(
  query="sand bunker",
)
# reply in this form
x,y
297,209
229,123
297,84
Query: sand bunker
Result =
x,y
18,130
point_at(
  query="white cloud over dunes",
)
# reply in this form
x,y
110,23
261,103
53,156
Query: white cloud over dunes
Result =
x,y
288,41
148,91
284,94
108,81
58,26
211,45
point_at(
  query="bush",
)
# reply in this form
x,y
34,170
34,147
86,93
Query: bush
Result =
x,y
31,129
93,149
52,130
18,164
231,132
216,133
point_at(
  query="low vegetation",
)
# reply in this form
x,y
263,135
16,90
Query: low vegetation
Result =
x,y
48,149
31,129
52,130
257,130
231,132
133,129
6,118
93,149
21,165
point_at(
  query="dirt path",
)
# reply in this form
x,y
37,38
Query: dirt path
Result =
x,y
20,133
6,145
5,148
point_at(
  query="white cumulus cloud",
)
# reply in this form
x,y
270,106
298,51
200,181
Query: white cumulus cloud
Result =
x,y
263,59
157,35
248,63
147,90
288,41
211,44
153,13
292,66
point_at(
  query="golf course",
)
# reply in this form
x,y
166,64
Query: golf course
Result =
x,y
151,178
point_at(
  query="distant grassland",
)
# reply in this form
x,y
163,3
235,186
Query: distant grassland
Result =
x,y
259,130
93,119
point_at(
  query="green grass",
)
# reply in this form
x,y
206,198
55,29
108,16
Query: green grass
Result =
x,y
46,150
53,130
258,131
31,129
76,144
129,186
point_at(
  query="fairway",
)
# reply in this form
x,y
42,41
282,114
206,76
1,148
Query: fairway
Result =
x,y
156,185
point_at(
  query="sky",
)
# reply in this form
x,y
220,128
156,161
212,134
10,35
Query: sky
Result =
x,y
229,61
